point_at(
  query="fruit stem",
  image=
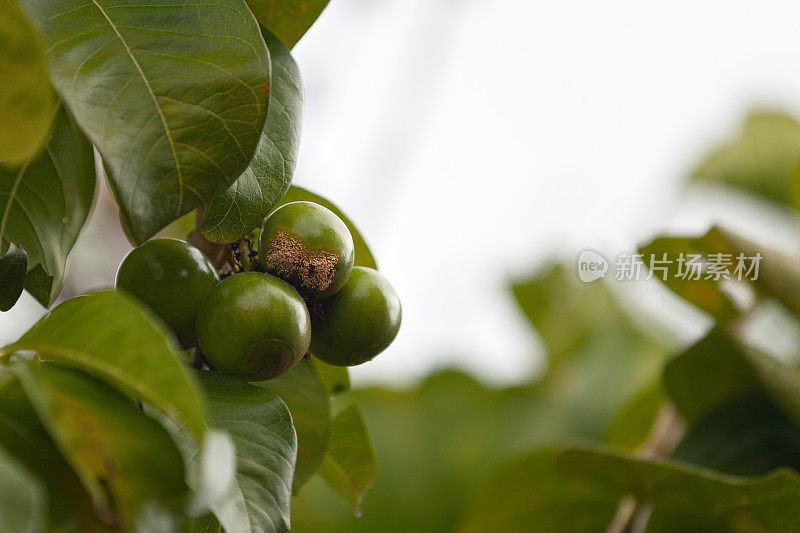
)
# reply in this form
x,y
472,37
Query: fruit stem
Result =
x,y
244,254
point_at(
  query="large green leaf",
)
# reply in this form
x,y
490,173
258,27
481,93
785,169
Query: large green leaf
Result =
x,y
26,99
13,267
244,205
173,94
110,336
349,466
685,498
23,436
44,203
745,436
761,160
363,255
266,447
288,19
717,369
125,459
579,490
310,407
23,498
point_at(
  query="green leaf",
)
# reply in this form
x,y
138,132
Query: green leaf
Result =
x,y
266,447
44,203
706,294
335,379
761,160
528,493
244,205
717,369
310,406
778,276
289,19
363,255
174,96
23,436
349,467
23,498
125,459
686,498
578,489
13,267
109,335
633,423
26,99
598,357
745,436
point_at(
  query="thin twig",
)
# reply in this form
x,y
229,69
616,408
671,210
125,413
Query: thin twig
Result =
x,y
632,516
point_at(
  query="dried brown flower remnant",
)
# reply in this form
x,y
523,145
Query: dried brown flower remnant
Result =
x,y
288,259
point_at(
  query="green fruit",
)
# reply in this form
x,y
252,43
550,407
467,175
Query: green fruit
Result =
x,y
172,278
307,245
358,322
254,326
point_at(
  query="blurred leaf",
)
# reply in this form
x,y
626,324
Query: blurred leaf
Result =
x,y
706,294
174,96
778,275
23,499
717,369
310,406
633,423
349,466
363,255
745,436
23,436
529,494
110,336
46,203
125,459
13,267
261,427
686,498
245,204
26,99
335,379
289,19
578,489
760,160
598,358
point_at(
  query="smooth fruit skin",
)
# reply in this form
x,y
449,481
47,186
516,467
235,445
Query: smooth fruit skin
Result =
x,y
254,326
358,322
172,278
309,246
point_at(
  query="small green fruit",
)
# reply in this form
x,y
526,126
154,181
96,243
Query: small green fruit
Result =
x,y
358,322
307,245
254,326
172,278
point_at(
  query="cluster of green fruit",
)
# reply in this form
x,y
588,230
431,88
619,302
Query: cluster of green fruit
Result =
x,y
257,324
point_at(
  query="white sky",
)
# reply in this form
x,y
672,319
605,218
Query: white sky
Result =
x,y
470,140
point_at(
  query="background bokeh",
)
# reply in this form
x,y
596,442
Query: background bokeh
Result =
x,y
471,140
